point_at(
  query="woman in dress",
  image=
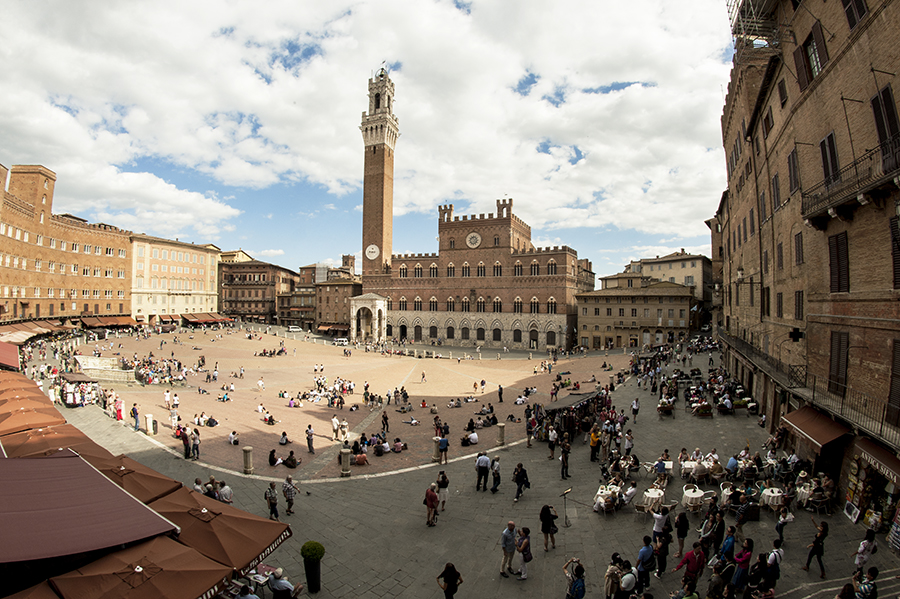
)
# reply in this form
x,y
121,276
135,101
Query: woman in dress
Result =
x,y
451,580
742,565
817,547
865,550
547,516
682,525
119,405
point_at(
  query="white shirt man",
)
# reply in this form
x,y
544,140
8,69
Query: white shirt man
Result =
x,y
335,427
712,456
473,439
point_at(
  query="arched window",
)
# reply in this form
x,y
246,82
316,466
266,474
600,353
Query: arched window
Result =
x,y
498,269
498,305
517,336
390,304
417,304
517,269
377,101
496,240
465,269
551,306
479,305
551,267
551,338
465,304
479,334
417,271
432,332
452,243
464,333
535,306
451,305
432,304
403,271
497,335
451,270
535,269
450,332
432,271
480,270
403,303
517,305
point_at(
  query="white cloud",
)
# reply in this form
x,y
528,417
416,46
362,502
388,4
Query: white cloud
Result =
x,y
266,253
620,127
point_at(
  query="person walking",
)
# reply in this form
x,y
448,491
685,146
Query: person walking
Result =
x,y
271,497
423,376
523,547
635,408
595,441
451,580
482,468
817,547
136,414
195,445
309,439
575,587
742,565
548,527
495,474
186,441
693,561
500,393
784,518
773,565
385,425
564,450
552,436
529,431
289,490
661,547
867,547
443,484
431,504
646,563
520,476
443,448
335,427
508,547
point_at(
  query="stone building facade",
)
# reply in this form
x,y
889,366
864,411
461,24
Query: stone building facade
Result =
x,y
56,265
333,304
690,270
172,278
487,286
634,311
248,288
808,230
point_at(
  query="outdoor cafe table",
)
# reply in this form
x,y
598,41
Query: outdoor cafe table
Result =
x,y
688,466
773,497
803,492
605,491
692,497
653,497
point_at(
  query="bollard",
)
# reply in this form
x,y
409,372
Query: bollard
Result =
x,y
345,463
498,356
529,356
248,459
148,418
436,455
451,355
479,355
501,433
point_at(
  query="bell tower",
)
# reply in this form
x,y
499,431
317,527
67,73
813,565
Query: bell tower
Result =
x,y
380,130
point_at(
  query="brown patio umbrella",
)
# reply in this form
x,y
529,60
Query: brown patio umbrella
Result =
x,y
23,419
24,392
38,591
49,440
221,532
24,401
158,568
144,483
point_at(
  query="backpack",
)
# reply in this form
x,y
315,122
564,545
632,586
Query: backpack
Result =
x,y
774,572
650,563
576,591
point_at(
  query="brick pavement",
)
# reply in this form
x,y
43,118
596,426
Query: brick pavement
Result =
x,y
378,545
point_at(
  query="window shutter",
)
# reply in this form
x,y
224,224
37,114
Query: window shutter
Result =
x,y
800,65
837,373
893,410
851,13
895,251
819,37
843,262
833,263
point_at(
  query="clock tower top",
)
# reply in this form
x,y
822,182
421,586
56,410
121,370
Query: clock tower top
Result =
x,y
379,125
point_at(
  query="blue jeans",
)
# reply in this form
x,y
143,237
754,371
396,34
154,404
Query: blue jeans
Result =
x,y
519,488
137,423
195,452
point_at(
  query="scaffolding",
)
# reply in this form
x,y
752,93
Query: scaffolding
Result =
x,y
753,24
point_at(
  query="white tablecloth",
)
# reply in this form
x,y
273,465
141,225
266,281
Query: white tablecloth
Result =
x,y
605,491
692,497
803,494
653,496
772,497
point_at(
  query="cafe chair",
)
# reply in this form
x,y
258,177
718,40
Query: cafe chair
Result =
x,y
817,505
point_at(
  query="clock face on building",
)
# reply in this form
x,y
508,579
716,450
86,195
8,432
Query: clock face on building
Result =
x,y
372,252
473,240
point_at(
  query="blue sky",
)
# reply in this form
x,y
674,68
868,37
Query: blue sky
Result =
x,y
237,124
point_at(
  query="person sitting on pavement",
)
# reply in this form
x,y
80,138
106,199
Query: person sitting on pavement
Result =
x,y
362,460
398,446
273,459
284,439
291,461
233,438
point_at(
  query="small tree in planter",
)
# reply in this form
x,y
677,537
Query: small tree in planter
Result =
x,y
312,553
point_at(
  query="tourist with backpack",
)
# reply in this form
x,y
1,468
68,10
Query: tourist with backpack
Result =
x,y
575,588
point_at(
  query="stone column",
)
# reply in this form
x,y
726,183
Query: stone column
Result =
x,y
345,463
451,355
248,459
529,356
436,455
501,433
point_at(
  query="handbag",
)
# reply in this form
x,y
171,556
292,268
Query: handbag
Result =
x,y
555,529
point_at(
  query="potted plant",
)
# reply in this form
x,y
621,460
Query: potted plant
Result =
x,y
312,553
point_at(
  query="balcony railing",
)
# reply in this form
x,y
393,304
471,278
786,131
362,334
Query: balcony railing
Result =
x,y
872,415
866,172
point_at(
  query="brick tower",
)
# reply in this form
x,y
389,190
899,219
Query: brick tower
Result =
x,y
380,129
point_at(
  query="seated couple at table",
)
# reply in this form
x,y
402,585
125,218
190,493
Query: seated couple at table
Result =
x,y
616,500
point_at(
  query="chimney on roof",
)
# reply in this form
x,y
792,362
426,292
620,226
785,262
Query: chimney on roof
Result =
x,y
682,251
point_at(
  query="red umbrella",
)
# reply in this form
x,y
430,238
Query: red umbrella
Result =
x,y
23,419
144,483
221,532
49,440
158,568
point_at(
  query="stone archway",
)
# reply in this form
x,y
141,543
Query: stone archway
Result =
x,y
367,318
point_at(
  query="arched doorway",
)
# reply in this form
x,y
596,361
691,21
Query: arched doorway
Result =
x,y
533,339
403,332
364,324
417,331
